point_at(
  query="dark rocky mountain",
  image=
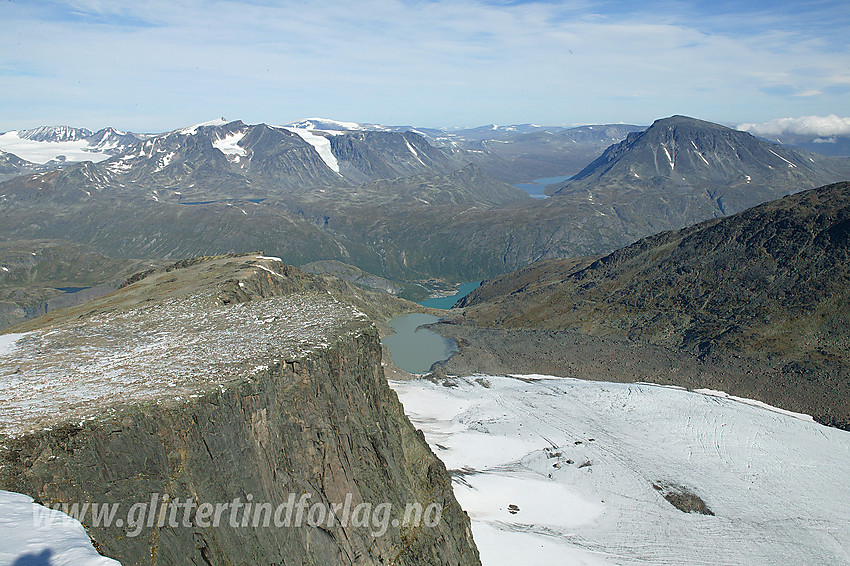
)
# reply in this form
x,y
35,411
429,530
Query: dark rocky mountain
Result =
x,y
770,282
229,377
278,158
682,170
13,166
387,155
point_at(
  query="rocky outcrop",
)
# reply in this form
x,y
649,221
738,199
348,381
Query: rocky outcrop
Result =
x,y
352,274
269,388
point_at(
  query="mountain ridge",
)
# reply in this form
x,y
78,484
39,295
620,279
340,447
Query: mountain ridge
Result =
x,y
770,282
399,207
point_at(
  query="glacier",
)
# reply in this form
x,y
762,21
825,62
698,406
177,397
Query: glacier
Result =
x,y
560,470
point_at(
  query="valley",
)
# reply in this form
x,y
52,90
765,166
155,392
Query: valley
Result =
x,y
398,207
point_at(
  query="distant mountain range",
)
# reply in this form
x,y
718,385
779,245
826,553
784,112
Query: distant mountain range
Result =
x,y
221,160
401,204
512,153
64,143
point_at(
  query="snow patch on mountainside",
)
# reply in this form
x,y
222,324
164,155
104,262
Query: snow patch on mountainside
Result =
x,y
229,145
165,160
325,124
559,470
413,151
33,534
782,158
322,145
8,341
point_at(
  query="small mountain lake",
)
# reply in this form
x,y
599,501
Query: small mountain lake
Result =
x,y
448,302
535,188
415,349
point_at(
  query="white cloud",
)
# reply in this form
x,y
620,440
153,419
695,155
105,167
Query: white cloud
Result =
x,y
156,64
815,126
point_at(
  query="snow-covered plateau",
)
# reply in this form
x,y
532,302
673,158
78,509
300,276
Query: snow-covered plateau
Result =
x,y
564,471
44,151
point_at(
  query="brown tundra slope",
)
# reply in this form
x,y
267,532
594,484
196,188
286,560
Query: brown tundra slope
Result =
x,y
772,282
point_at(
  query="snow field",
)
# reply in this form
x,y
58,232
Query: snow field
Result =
x,y
579,459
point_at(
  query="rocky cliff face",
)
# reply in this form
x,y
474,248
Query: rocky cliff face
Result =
x,y
220,379
11,166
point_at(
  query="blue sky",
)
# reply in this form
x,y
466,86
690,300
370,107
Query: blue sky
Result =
x,y
157,65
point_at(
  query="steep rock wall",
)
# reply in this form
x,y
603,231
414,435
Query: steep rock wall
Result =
x,y
324,423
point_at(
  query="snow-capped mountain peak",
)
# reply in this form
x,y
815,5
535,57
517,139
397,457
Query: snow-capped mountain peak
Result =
x,y
326,124
54,134
194,129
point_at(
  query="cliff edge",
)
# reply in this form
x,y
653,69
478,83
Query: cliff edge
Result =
x,y
232,410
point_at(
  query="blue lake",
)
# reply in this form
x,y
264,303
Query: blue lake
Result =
x,y
536,187
447,302
415,349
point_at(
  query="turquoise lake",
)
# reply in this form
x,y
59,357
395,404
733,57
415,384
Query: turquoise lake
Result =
x,y
447,302
536,187
415,349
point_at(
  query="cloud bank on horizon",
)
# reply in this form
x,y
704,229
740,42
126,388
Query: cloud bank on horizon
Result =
x,y
153,65
811,126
